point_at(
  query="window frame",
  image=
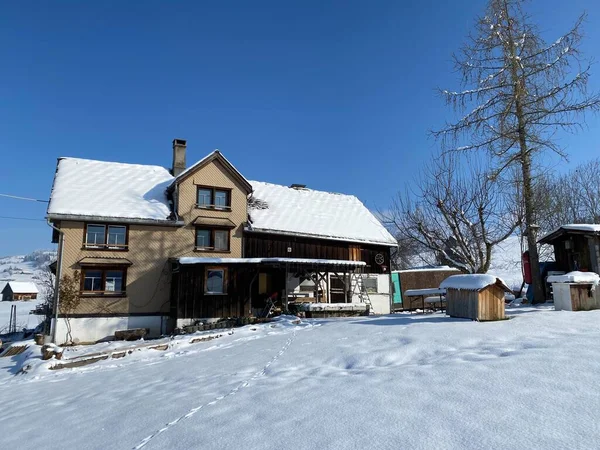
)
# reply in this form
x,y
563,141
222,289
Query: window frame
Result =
x,y
103,292
105,246
366,288
213,193
211,247
225,279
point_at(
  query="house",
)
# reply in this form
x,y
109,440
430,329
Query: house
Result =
x,y
19,290
159,249
475,296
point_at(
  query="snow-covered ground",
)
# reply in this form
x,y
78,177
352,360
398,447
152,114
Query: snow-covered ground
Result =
x,y
401,381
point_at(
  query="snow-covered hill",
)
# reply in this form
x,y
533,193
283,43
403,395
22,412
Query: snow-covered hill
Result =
x,y
23,268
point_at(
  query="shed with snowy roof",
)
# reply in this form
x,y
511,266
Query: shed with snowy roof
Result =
x,y
475,296
19,290
576,247
575,291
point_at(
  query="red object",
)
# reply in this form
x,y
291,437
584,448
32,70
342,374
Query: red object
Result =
x,y
526,267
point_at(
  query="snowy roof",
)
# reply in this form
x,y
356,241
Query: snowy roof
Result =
x,y
306,212
329,262
428,269
22,287
472,282
580,227
84,187
575,277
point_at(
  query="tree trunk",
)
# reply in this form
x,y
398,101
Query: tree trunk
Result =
x,y
525,161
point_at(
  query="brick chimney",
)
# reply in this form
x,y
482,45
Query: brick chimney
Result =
x,y
179,146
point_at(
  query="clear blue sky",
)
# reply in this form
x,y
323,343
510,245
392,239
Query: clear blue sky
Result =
x,y
335,95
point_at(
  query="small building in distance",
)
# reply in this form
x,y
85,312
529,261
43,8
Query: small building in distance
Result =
x,y
475,296
19,290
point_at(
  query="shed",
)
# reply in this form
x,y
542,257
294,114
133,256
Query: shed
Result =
x,y
19,290
575,291
476,296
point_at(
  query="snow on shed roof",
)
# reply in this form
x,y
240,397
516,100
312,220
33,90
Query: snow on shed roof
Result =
x,y
306,212
581,227
22,287
84,187
472,282
575,277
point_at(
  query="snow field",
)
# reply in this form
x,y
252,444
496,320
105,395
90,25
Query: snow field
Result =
x,y
399,381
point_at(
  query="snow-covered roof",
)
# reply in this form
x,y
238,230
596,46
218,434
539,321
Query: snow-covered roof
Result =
x,y
428,269
581,227
472,282
306,212
89,188
575,277
328,262
22,287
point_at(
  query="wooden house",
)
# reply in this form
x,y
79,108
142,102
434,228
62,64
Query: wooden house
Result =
x,y
476,296
19,290
162,248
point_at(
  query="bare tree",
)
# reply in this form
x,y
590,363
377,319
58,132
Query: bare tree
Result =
x,y
70,298
518,91
457,214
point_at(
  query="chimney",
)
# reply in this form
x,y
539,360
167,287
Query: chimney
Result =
x,y
179,146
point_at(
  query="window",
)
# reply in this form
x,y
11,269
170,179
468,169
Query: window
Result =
x,y
213,198
108,281
215,280
212,239
204,197
221,199
370,285
113,237
221,240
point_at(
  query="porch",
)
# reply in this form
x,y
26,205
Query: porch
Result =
x,y
206,288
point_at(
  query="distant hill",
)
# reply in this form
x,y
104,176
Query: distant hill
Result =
x,y
25,267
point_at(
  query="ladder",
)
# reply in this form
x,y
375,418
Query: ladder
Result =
x,y
359,289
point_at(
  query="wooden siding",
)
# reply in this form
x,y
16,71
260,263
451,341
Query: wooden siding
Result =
x,y
191,302
421,279
583,298
266,245
487,304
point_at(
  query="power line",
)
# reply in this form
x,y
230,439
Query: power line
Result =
x,y
21,218
23,198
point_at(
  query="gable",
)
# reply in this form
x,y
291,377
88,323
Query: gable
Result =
x,y
218,160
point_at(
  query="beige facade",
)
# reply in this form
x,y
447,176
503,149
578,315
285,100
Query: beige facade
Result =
x,y
151,246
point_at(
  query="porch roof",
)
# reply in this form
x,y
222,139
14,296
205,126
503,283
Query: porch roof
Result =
x,y
305,262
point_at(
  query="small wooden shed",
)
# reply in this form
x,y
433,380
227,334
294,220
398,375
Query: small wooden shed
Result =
x,y
476,296
575,291
19,290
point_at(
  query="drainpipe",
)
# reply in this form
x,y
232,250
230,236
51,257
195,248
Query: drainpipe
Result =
x,y
57,280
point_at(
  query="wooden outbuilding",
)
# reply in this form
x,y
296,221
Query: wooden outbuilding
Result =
x,y
19,290
575,291
477,296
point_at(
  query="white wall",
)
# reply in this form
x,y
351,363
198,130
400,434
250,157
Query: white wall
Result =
x,y
91,329
562,297
382,299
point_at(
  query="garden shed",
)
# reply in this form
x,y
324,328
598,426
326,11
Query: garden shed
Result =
x,y
475,296
575,291
19,290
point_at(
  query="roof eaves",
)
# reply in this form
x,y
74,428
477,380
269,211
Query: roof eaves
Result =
x,y
318,236
112,219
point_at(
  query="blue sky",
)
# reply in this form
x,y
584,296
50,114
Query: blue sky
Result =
x,y
336,95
